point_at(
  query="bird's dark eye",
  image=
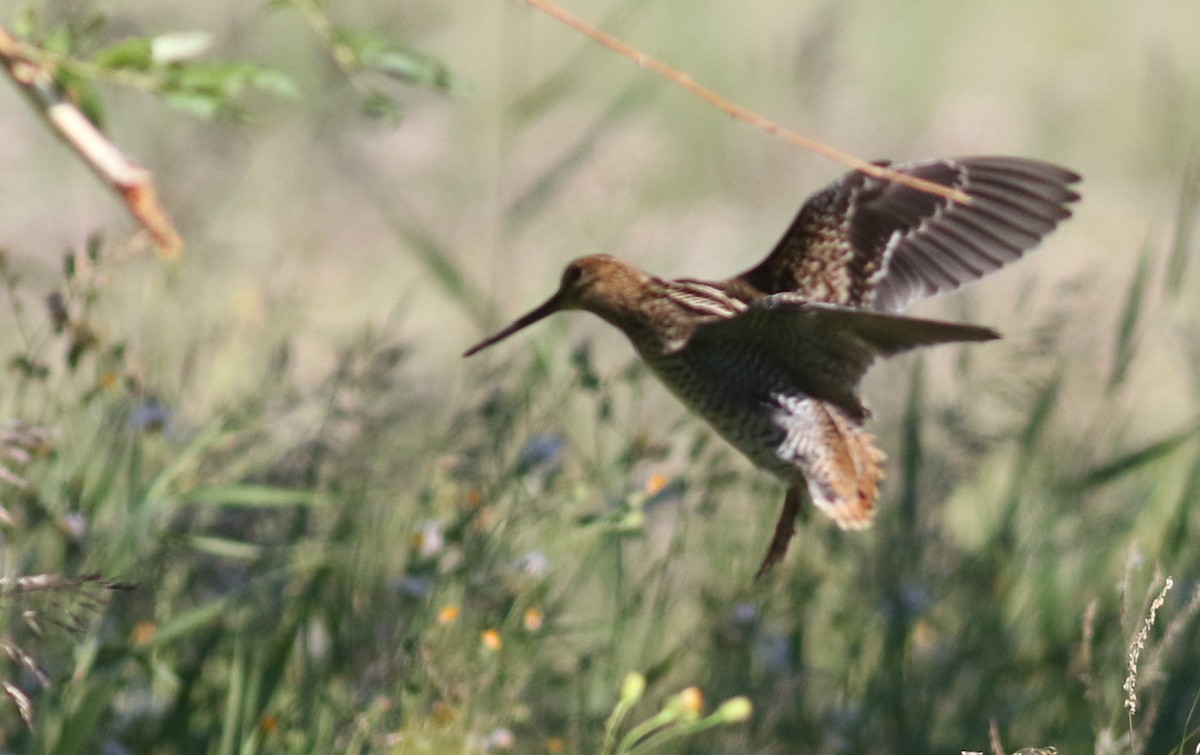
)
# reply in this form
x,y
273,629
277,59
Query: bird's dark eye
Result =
x,y
572,274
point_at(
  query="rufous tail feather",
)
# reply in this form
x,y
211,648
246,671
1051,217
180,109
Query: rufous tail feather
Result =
x,y
843,475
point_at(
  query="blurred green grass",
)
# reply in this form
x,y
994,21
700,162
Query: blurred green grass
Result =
x,y
343,539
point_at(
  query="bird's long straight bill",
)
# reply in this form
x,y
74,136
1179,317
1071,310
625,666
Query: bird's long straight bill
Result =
x,y
552,305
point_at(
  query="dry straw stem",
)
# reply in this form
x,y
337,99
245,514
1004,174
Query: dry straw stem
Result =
x,y
1138,644
741,113
1153,671
19,699
1087,664
130,180
994,737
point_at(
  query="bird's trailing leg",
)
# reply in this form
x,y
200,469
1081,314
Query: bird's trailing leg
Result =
x,y
784,529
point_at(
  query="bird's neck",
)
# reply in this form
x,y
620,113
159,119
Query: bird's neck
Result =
x,y
660,315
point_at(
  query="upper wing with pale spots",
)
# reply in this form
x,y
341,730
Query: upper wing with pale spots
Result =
x,y
864,242
825,349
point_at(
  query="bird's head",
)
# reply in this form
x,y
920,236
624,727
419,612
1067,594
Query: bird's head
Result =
x,y
599,283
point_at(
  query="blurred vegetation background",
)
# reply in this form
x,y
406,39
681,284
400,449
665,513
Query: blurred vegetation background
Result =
x,y
342,538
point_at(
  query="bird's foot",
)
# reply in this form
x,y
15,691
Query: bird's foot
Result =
x,y
784,529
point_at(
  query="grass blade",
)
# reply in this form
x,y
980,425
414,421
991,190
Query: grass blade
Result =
x,y
1126,344
252,496
1185,222
911,461
1131,462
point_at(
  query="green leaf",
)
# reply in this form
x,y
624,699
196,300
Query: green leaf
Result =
x,y
185,623
186,460
209,88
1126,345
233,77
272,81
129,54
23,25
226,548
252,496
95,245
1131,462
1039,415
58,41
1185,221
86,706
412,68
912,454
375,52
80,90
378,105
201,105
92,106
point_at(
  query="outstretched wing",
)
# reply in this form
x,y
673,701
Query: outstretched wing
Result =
x,y
825,349
865,242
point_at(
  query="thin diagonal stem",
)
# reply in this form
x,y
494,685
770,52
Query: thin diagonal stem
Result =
x,y
741,113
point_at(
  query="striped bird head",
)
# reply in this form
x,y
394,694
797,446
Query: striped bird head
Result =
x,y
600,283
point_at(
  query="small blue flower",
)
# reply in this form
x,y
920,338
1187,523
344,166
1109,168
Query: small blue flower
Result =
x,y
533,564
774,652
150,416
541,451
415,586
745,614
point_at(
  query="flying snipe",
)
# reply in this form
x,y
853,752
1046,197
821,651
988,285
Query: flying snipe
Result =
x,y
772,358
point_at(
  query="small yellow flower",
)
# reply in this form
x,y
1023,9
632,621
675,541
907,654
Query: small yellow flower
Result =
x,y
443,713
655,484
448,615
534,619
735,710
490,639
108,379
925,637
632,688
556,745
143,632
268,724
692,700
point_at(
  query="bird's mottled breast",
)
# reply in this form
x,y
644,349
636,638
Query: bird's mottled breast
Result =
x,y
734,389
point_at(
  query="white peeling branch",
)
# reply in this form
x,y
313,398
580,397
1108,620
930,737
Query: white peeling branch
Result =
x,y
131,181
